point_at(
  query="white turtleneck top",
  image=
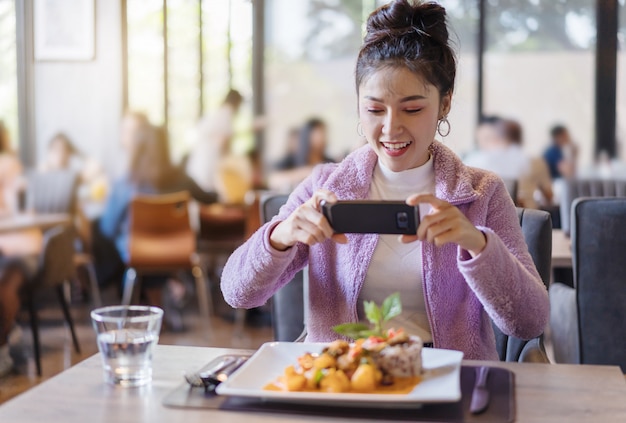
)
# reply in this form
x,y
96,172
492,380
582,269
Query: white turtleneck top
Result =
x,y
397,267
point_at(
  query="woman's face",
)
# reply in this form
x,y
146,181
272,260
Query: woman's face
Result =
x,y
318,139
58,154
399,112
129,128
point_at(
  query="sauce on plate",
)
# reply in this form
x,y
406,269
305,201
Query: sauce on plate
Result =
x,y
401,386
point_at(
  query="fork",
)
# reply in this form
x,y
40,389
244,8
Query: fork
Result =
x,y
219,373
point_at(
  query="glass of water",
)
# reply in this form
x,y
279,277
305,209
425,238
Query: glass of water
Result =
x,y
126,338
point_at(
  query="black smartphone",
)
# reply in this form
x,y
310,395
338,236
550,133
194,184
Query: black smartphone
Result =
x,y
372,217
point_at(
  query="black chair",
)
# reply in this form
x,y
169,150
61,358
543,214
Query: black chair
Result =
x,y
587,321
537,229
56,192
288,302
53,192
511,187
576,188
55,268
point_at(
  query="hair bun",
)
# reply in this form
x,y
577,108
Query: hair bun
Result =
x,y
401,18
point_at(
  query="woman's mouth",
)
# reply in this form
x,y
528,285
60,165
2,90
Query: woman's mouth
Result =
x,y
395,148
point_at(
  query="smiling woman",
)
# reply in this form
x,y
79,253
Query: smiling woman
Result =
x,y
466,265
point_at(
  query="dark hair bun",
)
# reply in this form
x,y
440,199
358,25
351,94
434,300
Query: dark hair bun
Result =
x,y
413,34
400,18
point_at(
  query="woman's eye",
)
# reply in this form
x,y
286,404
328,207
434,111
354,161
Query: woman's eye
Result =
x,y
413,111
375,111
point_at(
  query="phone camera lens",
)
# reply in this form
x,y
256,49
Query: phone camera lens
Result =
x,y
402,220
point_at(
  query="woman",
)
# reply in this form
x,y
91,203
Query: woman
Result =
x,y
470,262
535,182
10,174
150,172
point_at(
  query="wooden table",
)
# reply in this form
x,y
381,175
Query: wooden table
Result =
x,y
24,221
544,393
561,249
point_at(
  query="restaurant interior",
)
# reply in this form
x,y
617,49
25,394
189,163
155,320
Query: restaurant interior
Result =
x,y
155,154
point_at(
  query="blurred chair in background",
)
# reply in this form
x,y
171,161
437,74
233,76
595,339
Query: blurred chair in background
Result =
x,y
161,241
150,172
55,268
55,191
587,321
575,188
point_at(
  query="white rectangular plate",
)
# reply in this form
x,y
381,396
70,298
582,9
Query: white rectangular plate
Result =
x,y
441,383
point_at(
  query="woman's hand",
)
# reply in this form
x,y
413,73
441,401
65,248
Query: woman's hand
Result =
x,y
446,224
306,224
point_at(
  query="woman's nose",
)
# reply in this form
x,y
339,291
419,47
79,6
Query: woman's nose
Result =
x,y
392,124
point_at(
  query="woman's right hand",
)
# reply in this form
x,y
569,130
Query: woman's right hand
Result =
x,y
306,224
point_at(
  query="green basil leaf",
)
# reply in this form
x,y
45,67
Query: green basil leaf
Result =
x,y
392,307
373,312
352,330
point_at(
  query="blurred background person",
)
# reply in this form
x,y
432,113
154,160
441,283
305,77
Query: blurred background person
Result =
x,y
500,150
535,184
150,172
132,122
10,174
561,154
297,164
214,134
495,152
63,155
18,249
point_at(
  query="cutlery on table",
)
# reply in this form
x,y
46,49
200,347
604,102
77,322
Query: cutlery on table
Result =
x,y
217,374
480,394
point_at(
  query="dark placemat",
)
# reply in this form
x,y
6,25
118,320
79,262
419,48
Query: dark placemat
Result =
x,y
501,407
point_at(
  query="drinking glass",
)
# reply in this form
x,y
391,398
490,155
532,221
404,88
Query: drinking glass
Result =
x,y
126,337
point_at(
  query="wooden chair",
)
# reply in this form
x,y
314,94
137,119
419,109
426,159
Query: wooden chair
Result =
x,y
161,240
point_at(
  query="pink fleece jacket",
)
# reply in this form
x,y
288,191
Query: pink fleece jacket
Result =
x,y
461,292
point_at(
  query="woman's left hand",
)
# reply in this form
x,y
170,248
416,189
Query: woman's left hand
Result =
x,y
445,224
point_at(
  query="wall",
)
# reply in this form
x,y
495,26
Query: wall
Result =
x,y
84,99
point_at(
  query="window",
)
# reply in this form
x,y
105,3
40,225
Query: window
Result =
x,y
208,51
8,68
311,49
539,68
463,33
621,83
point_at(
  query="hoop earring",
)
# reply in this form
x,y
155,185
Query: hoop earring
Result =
x,y
359,130
443,123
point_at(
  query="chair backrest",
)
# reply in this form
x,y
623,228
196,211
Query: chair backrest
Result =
x,y
598,246
537,229
52,191
160,233
288,302
56,263
511,185
576,188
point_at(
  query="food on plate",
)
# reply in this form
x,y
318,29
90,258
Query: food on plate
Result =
x,y
378,361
